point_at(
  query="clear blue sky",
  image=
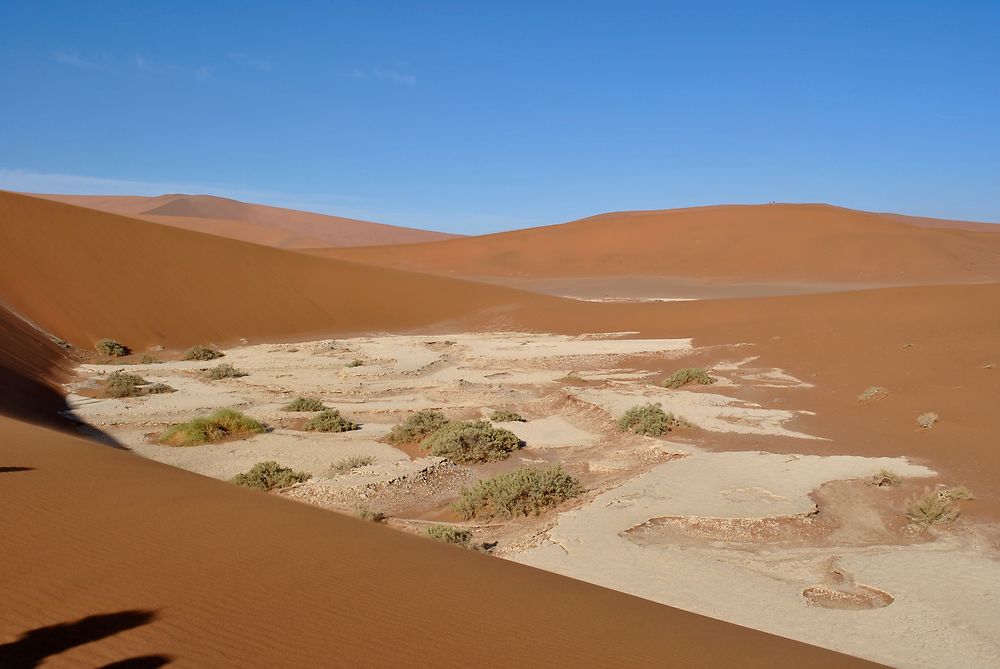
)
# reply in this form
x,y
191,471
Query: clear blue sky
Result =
x,y
475,117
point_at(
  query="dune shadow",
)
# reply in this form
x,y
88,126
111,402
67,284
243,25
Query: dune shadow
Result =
x,y
141,662
34,646
8,470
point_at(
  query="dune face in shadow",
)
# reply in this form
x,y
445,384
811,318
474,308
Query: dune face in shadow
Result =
x,y
34,646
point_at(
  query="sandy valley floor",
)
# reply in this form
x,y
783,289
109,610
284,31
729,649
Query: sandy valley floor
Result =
x,y
682,520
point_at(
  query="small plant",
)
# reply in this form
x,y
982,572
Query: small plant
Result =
x,y
202,353
474,441
683,377
957,493
269,476
884,478
351,463
929,509
872,393
224,371
649,419
223,424
357,362
111,348
123,384
367,513
149,360
506,416
450,535
521,492
329,420
304,404
159,389
416,426
927,420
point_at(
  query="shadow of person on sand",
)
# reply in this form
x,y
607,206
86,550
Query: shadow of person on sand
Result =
x,y
8,470
31,649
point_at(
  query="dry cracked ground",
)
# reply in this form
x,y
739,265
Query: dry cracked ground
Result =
x,y
737,514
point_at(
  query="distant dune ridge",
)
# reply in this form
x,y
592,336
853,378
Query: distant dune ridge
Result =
x,y
255,223
793,243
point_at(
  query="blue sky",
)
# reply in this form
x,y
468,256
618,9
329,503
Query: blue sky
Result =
x,y
477,117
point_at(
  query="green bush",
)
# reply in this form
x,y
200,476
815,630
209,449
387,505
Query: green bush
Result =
x,y
689,375
929,509
123,384
521,492
450,535
224,371
158,389
222,424
649,419
884,478
304,404
351,463
367,513
357,362
111,348
475,441
506,416
416,426
202,353
269,475
330,420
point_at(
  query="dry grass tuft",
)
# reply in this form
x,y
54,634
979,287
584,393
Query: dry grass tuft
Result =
x,y
957,493
202,353
930,509
223,424
351,463
111,348
304,404
884,478
927,420
224,371
269,476
507,416
873,393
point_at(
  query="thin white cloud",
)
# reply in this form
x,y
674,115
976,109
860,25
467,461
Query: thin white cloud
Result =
x,y
241,58
73,58
395,76
385,74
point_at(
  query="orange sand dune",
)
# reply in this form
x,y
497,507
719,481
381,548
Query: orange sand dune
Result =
x,y
762,243
84,274
111,557
256,223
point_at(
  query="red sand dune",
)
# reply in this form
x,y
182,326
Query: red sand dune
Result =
x,y
764,243
256,223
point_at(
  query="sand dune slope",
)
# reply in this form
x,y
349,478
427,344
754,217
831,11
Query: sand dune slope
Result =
x,y
31,366
169,565
83,274
255,223
777,243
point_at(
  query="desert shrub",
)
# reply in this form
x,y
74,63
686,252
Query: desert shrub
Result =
x,y
474,441
123,384
202,353
367,513
351,463
224,371
158,389
958,493
930,508
884,478
111,348
688,375
222,424
927,420
506,416
873,393
269,475
357,362
304,404
329,420
649,419
450,534
416,426
521,492
149,360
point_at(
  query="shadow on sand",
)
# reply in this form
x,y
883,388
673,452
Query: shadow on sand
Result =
x,y
31,649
